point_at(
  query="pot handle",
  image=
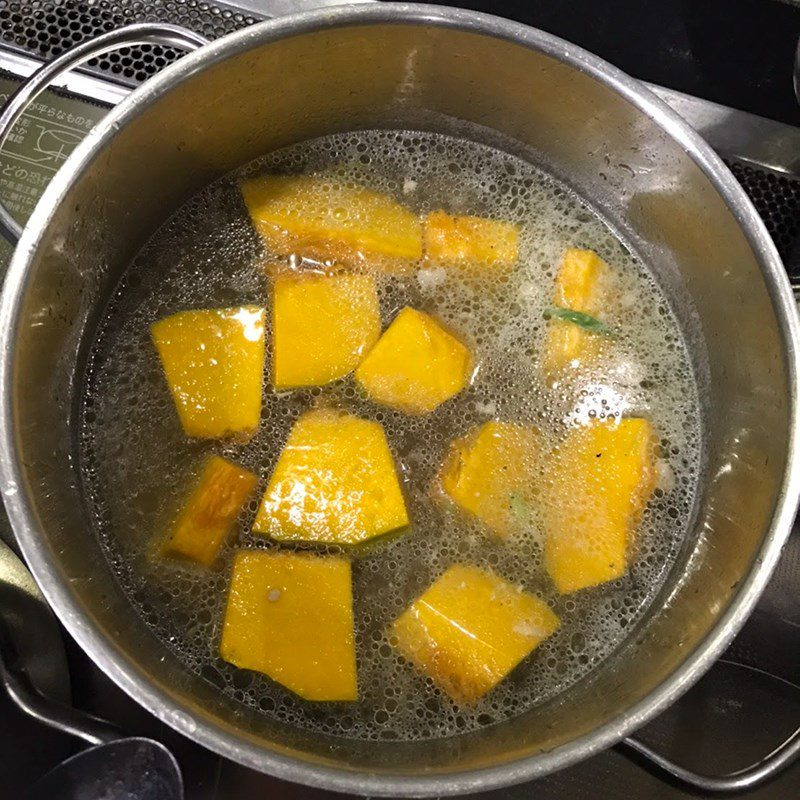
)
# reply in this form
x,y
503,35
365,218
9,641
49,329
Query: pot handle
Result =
x,y
66,719
140,33
748,778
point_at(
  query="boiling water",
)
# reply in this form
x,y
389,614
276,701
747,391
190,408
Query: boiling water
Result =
x,y
136,459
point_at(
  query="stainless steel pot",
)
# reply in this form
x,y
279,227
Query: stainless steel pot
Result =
x,y
423,67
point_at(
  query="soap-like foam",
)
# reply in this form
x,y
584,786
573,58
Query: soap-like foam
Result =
x,y
136,459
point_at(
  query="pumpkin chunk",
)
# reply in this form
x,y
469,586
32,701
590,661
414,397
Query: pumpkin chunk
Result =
x,y
577,289
320,217
602,477
470,241
492,473
324,325
214,362
416,365
290,616
470,629
335,482
211,510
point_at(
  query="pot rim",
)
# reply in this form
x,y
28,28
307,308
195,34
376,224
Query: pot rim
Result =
x,y
128,676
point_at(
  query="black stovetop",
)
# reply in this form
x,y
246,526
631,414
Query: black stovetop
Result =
x,y
735,52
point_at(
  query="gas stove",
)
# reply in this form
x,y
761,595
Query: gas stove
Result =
x,y
750,700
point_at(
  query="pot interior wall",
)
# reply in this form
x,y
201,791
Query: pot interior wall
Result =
x,y
267,93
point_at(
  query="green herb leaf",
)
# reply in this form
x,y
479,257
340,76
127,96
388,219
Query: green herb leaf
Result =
x,y
520,509
585,321
526,516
